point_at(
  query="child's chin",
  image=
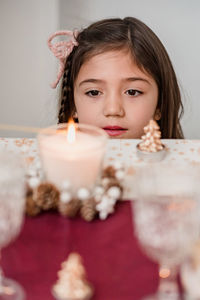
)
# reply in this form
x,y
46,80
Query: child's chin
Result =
x,y
117,137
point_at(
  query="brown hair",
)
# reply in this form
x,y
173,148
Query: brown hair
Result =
x,y
149,55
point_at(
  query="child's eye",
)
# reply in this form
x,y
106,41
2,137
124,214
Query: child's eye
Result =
x,y
93,93
132,92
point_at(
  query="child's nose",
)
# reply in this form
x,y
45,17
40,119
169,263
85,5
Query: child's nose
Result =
x,y
113,107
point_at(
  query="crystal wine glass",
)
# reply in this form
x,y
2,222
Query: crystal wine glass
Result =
x,y
12,203
166,219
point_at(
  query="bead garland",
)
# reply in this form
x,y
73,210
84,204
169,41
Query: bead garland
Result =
x,y
42,195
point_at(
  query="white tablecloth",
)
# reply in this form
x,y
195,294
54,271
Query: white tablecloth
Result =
x,y
117,150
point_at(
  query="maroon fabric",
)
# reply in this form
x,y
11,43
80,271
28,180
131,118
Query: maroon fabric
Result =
x,y
114,263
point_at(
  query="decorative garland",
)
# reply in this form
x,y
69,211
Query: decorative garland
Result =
x,y
44,196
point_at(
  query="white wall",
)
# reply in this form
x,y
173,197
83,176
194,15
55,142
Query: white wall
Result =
x,y
27,67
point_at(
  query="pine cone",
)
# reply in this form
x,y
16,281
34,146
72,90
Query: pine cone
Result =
x,y
114,182
69,209
88,209
28,190
32,208
109,171
47,196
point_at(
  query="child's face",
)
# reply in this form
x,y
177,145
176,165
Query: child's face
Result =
x,y
112,93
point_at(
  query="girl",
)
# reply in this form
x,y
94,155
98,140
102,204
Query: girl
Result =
x,y
117,75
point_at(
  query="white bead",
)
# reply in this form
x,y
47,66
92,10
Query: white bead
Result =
x,y
83,194
120,174
114,192
65,197
112,201
105,199
33,182
97,198
118,165
105,181
38,164
103,215
65,185
103,205
99,190
99,206
32,172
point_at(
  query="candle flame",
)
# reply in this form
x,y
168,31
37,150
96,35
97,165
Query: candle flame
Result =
x,y
71,132
164,272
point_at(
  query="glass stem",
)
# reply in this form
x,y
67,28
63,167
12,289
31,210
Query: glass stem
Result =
x,y
1,277
168,286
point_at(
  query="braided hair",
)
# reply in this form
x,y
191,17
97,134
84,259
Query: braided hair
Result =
x,y
67,108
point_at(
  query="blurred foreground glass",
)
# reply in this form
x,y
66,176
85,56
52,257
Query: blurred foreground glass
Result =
x,y
166,219
12,201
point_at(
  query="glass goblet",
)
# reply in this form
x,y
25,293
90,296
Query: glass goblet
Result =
x,y
12,201
166,219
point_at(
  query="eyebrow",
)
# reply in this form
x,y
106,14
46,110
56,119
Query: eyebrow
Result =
x,y
136,79
130,79
91,80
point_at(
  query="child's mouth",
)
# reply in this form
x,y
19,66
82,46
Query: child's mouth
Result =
x,y
114,130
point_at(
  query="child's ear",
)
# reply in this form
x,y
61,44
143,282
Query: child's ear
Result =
x,y
75,117
157,115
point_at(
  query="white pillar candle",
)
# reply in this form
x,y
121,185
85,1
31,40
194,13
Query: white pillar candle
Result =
x,y
78,159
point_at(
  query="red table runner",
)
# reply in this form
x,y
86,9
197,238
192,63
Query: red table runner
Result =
x,y
113,260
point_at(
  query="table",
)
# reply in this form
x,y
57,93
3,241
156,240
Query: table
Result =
x,y
117,150
113,260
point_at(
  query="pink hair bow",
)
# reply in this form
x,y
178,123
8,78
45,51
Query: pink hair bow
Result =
x,y
62,50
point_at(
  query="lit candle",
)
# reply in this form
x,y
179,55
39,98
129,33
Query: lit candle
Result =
x,y
72,152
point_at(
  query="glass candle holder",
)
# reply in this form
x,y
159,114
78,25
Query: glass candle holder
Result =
x,y
73,153
151,156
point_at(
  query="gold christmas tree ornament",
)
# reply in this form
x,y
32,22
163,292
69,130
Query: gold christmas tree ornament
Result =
x,y
72,283
151,148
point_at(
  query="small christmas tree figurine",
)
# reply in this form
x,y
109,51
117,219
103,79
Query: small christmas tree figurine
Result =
x,y
72,283
151,140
